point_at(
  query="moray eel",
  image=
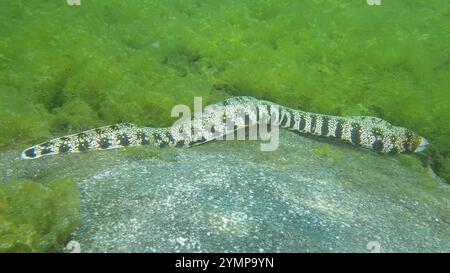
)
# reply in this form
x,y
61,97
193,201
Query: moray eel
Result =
x,y
368,132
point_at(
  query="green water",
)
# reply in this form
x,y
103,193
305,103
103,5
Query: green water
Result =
x,y
68,68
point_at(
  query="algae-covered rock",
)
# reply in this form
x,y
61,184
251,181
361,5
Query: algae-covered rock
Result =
x,y
38,218
228,196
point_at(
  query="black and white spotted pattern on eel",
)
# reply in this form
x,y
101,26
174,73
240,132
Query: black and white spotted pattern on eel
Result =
x,y
368,132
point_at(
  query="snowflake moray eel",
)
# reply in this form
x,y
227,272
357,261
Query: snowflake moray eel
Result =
x,y
368,132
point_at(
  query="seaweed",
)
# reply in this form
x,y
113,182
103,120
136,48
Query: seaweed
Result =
x,y
38,218
107,62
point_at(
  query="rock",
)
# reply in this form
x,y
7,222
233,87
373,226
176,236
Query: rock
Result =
x,y
227,196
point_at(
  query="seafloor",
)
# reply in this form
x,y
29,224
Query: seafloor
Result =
x,y
307,196
67,68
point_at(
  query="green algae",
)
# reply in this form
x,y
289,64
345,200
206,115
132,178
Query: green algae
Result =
x,y
68,68
37,218
142,153
425,176
327,151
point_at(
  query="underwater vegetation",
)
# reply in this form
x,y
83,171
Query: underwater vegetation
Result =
x,y
68,68
38,218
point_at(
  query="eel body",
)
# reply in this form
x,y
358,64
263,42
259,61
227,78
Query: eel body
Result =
x,y
232,115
